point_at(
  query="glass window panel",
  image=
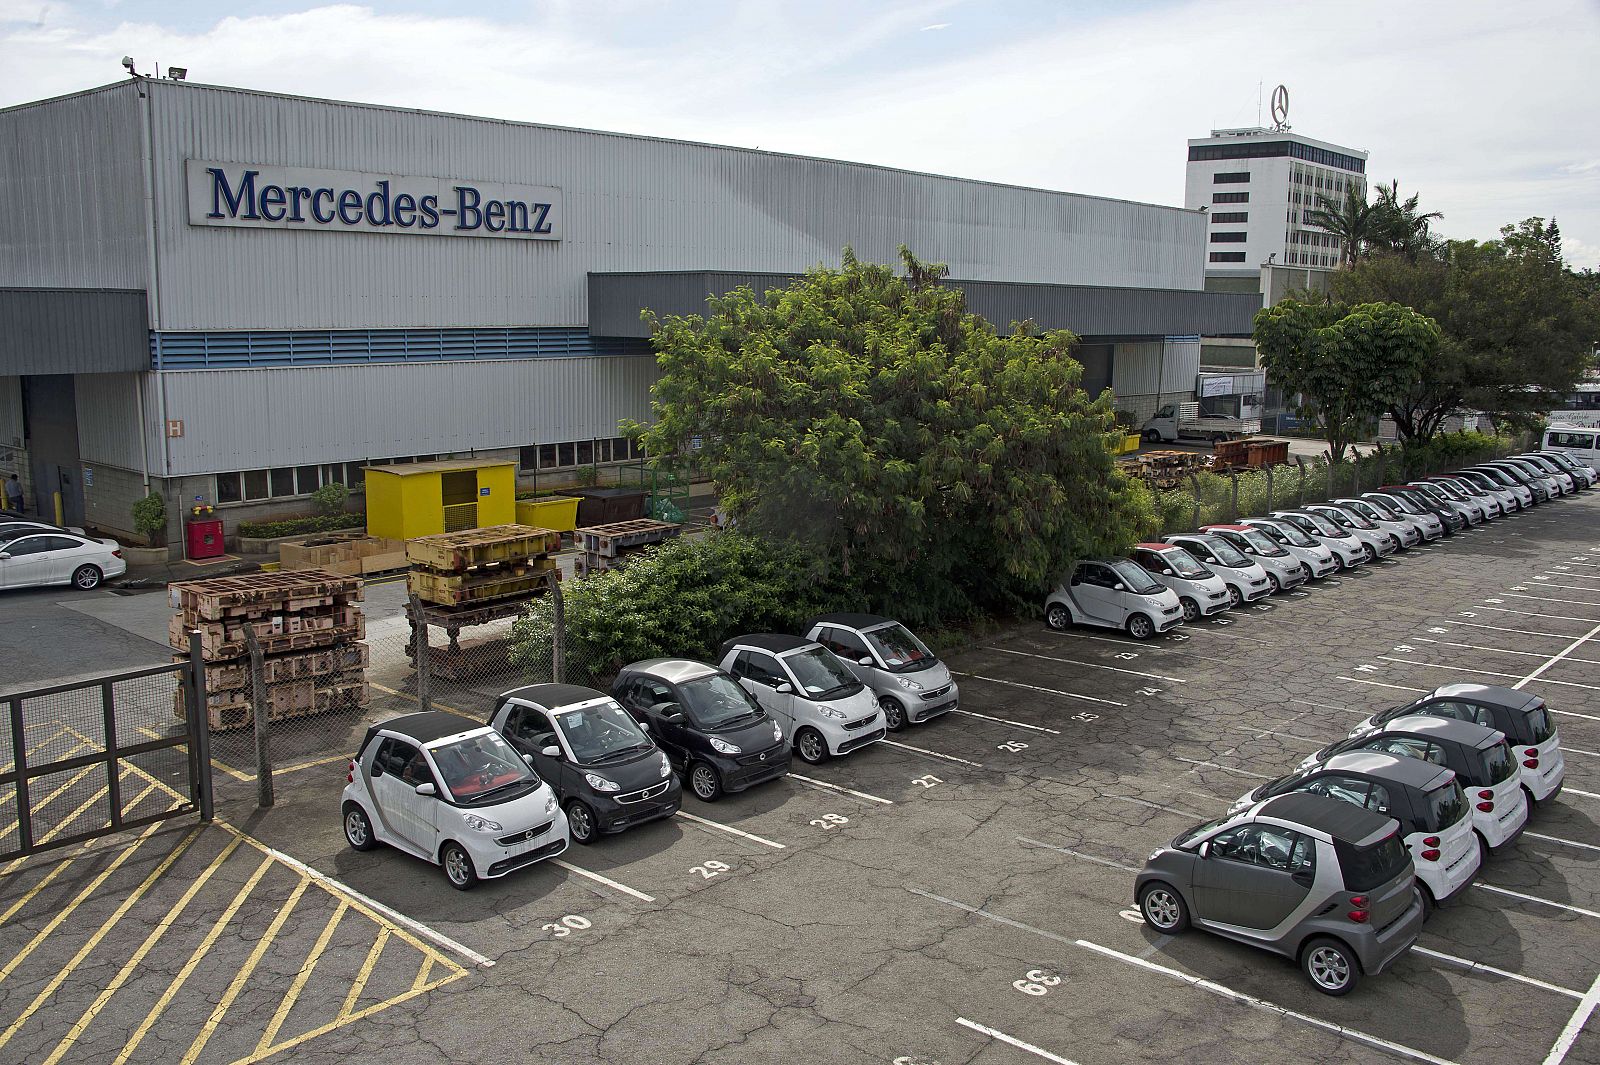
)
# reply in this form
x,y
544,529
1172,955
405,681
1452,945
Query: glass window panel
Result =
x,y
308,479
283,481
229,488
255,484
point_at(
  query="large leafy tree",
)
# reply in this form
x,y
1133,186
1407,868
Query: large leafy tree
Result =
x,y
1404,228
1516,324
1350,363
1353,220
868,416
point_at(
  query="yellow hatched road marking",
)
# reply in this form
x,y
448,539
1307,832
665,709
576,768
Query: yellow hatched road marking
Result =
x,y
422,973
100,933
132,963
293,994
48,799
224,766
350,1018
94,885
360,983
245,972
56,871
194,959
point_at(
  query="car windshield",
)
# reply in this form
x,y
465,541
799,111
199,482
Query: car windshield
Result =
x,y
1540,727
1354,519
1184,564
820,674
1187,839
899,649
1446,806
1401,503
1507,475
716,701
601,732
1366,868
1289,532
1497,763
1226,553
1451,489
1262,543
1365,509
1282,784
1324,524
1136,578
482,768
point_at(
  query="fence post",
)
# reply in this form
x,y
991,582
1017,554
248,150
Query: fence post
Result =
x,y
1233,505
1270,468
1330,473
1383,468
558,635
1300,461
424,666
1194,487
200,728
258,703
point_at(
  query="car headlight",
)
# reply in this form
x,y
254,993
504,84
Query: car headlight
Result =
x,y
481,824
600,783
777,733
666,766
550,804
1154,855
831,714
908,684
724,747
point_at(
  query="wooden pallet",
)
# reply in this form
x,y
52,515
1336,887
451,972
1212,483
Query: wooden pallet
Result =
x,y
295,665
612,540
219,646
220,597
459,551
284,702
479,586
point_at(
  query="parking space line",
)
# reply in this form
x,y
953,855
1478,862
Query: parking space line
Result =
x,y
731,830
1478,966
1520,632
291,996
835,787
1330,706
1577,750
1548,599
1036,688
1500,650
931,754
1573,646
1534,898
607,881
1270,732
1381,684
1197,763
1076,854
1262,1004
359,984
1558,839
55,871
1535,614
1010,1040
1003,721
1575,1024
1092,665
1437,665
978,911
1585,794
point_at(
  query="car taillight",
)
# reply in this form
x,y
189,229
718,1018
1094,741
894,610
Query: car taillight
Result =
x,y
117,553
350,775
1532,752
1531,763
1358,909
1486,807
1431,841
1430,855
1485,794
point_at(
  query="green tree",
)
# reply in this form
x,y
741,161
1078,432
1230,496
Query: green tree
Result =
x,y
1351,363
947,467
1403,227
1355,222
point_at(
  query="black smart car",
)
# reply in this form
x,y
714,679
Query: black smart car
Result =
x,y
604,768
718,737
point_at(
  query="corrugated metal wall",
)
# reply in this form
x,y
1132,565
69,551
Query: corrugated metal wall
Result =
x,y
10,412
631,203
108,419
47,330
247,419
74,197
1135,368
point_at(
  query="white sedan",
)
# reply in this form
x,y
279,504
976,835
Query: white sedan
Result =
x,y
59,558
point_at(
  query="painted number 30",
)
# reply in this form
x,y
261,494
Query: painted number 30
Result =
x,y
1037,982
567,925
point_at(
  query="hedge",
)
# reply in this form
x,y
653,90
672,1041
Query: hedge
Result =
x,y
315,523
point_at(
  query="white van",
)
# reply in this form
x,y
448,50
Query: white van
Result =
x,y
1577,441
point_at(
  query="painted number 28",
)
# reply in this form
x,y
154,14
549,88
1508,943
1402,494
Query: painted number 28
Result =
x,y
829,821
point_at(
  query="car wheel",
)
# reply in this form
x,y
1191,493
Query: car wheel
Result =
x,y
1235,597
1151,436
581,822
1163,909
704,782
894,715
457,866
810,746
1483,850
1140,627
1303,569
357,829
1429,903
1330,966
1277,584
1057,617
86,577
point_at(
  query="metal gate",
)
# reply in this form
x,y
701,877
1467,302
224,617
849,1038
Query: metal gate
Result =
x,y
94,757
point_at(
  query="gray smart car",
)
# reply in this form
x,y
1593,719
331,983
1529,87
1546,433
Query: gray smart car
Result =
x,y
911,684
1312,878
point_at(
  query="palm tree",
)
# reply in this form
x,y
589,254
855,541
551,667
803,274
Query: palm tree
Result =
x,y
1356,223
1409,232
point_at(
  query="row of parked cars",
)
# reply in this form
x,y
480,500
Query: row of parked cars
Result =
x,y
1189,576
559,762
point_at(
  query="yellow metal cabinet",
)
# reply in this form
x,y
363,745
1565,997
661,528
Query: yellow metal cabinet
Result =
x,y
410,499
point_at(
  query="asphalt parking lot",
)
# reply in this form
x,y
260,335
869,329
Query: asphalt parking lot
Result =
x,y
959,893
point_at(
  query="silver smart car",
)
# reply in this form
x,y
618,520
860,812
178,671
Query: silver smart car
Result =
x,y
911,684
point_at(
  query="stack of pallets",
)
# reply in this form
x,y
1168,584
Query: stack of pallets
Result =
x,y
478,567
309,631
608,546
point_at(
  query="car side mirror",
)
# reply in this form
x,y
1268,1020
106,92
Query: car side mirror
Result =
x,y
551,751
1303,877
783,688
1118,587
644,725
669,711
865,660
1166,571
377,770
427,788
5,554
1205,849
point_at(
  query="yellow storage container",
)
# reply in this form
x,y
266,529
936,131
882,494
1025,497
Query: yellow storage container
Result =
x,y
410,499
559,513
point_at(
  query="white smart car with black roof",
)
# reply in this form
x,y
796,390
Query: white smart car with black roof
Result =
x,y
819,704
1318,560
1200,591
436,786
1246,580
911,684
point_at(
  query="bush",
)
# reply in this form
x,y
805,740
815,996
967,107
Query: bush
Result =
x,y
315,523
682,598
150,519
330,498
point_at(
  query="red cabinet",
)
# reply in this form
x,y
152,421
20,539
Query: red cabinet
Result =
x,y
203,539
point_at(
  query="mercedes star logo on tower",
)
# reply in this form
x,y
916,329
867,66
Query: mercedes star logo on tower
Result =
x,y
1280,107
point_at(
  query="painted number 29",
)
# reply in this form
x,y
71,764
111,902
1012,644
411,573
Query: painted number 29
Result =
x,y
709,870
1037,982
830,821
927,781
567,925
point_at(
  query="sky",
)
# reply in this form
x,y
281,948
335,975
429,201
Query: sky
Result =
x,y
1486,109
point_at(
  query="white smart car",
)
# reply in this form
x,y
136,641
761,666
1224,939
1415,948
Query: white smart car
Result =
x,y
447,791
1246,581
820,706
1200,591
1114,594
1284,569
1380,542
1317,559
1347,547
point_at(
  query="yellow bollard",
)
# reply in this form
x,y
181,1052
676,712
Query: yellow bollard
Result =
x,y
59,518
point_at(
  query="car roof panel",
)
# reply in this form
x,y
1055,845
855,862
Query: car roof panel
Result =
x,y
554,696
1334,818
672,670
426,726
848,620
1490,694
1411,772
1445,728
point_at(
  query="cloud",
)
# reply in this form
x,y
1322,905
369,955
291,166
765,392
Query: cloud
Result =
x,y
936,26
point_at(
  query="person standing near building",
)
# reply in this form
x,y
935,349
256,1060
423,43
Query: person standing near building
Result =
x,y
14,494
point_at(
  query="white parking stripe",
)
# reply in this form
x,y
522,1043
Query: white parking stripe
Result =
x,y
1262,1004
1536,614
1537,899
932,754
1500,650
1381,684
1575,1023
1437,665
1575,750
1077,854
995,1033
1575,791
607,881
1520,632
1478,966
1036,688
1547,599
731,830
1003,721
1571,713
1225,768
1558,839
1330,706
1096,665
1573,646
1270,732
834,787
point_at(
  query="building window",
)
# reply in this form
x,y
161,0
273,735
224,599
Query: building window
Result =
x,y
1224,217
1230,197
307,479
1227,238
528,458
230,488
255,484
1236,177
1227,256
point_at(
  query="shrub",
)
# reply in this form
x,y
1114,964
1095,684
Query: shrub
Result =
x,y
315,523
150,519
330,498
